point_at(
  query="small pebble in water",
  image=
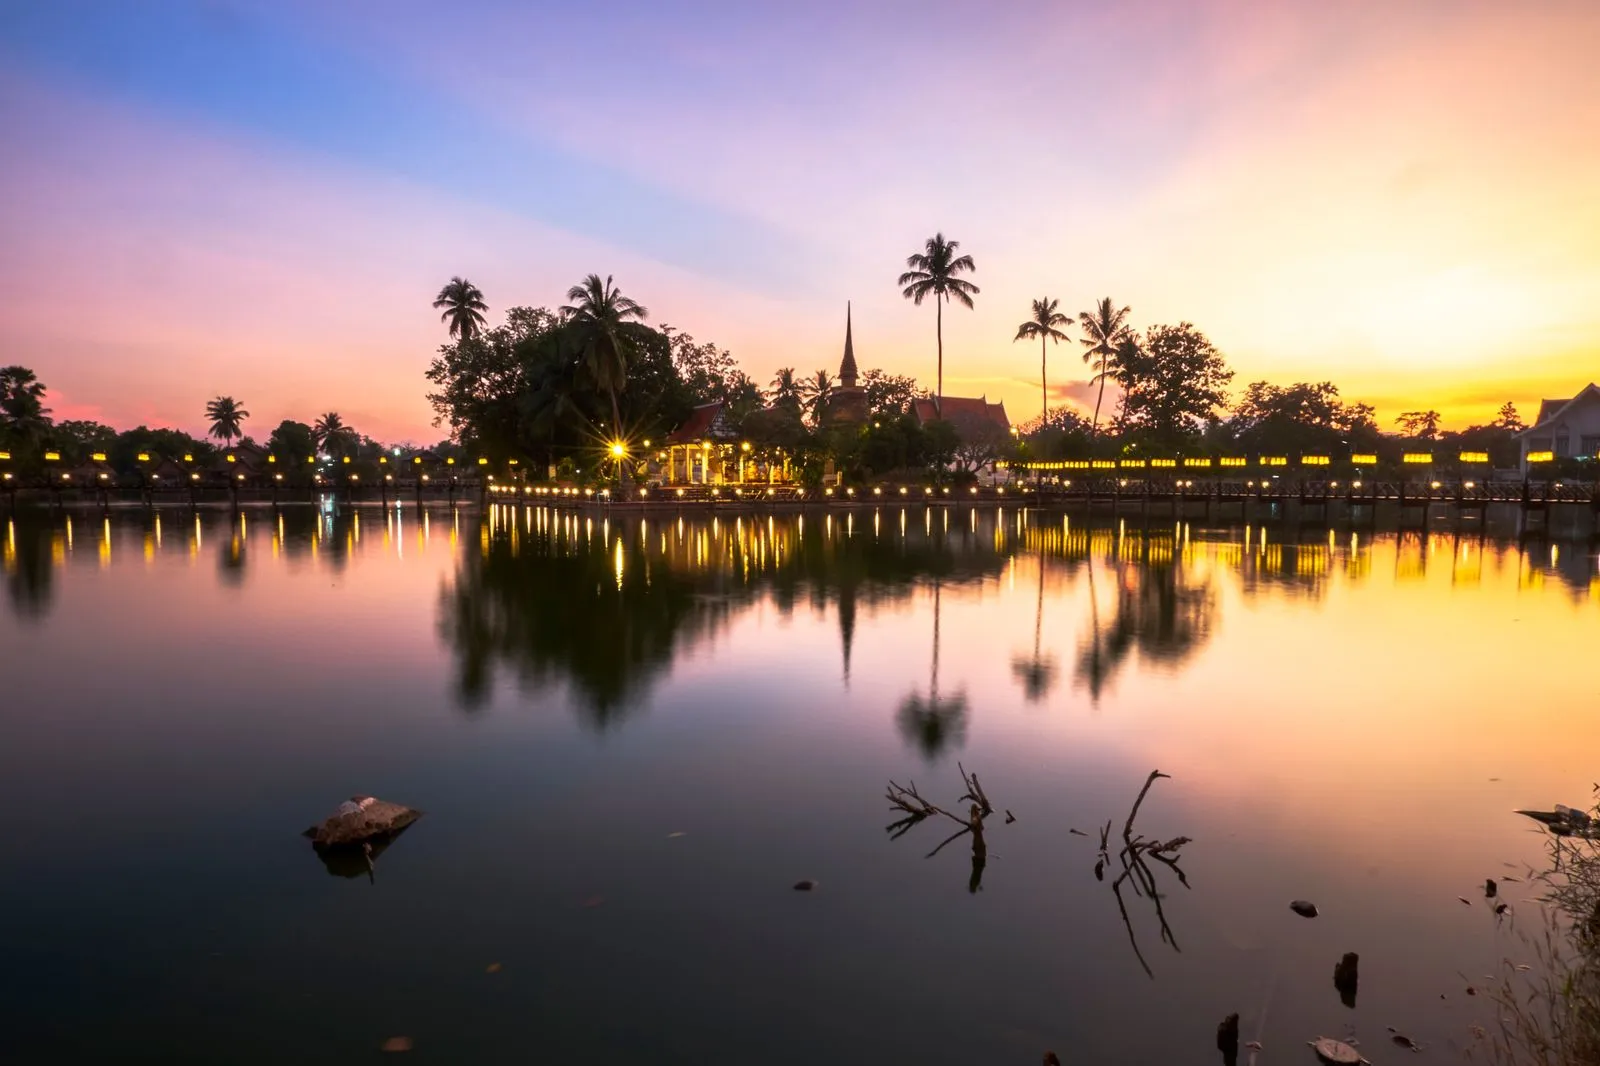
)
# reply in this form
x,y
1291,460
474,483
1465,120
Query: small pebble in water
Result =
x,y
1304,908
807,885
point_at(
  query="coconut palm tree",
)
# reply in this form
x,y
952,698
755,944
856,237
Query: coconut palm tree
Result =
x,y
1045,325
462,308
226,416
601,316
787,392
332,435
933,273
1104,328
817,390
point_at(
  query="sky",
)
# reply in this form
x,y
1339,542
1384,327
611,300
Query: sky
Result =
x,y
260,198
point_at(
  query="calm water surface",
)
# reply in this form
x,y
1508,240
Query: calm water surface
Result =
x,y
632,738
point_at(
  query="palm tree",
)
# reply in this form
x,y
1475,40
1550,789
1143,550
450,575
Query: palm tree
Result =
x,y
463,308
226,415
332,435
601,315
23,414
1104,329
817,390
787,391
1043,325
933,273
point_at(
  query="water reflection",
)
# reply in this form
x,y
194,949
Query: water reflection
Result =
x,y
603,607
32,553
933,723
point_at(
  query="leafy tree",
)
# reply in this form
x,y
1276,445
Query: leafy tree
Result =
x,y
226,415
1105,336
601,316
980,444
333,436
1061,433
889,395
1508,419
78,440
292,442
462,308
1305,417
1173,384
1045,324
157,443
704,368
24,420
743,396
818,390
1419,425
933,272
788,393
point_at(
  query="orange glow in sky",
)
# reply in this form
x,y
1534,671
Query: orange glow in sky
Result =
x,y
1397,198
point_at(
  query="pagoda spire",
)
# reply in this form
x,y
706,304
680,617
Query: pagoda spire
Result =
x,y
847,366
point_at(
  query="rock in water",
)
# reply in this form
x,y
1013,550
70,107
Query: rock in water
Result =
x,y
1304,908
1347,978
1490,889
807,885
1228,1037
358,819
1336,1052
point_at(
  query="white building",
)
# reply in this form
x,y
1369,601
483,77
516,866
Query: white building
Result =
x,y
1565,428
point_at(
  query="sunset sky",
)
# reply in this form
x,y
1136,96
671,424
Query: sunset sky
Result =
x,y
261,198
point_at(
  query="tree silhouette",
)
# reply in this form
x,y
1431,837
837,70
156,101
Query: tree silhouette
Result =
x,y
1045,324
462,307
1038,672
600,316
934,723
817,390
332,435
1508,419
787,392
226,415
1105,328
932,272
1420,425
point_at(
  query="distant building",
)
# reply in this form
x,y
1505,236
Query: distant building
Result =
x,y
971,416
1565,428
847,403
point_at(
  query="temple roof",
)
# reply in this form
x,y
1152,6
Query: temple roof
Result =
x,y
706,422
965,412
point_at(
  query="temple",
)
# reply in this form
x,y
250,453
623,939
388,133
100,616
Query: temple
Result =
x,y
847,403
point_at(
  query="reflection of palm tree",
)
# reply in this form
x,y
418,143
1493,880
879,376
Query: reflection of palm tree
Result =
x,y
1038,673
939,721
1159,614
30,578
1092,666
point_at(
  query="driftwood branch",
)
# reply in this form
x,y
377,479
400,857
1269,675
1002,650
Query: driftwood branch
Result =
x,y
913,808
1136,871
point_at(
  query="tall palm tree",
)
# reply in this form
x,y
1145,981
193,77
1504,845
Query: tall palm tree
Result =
x,y
462,308
1044,325
1104,328
933,273
332,435
787,391
601,315
226,415
817,390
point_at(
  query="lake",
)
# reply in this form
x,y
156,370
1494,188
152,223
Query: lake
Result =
x,y
632,738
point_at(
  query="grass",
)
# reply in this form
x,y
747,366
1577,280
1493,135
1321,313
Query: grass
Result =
x,y
1548,1011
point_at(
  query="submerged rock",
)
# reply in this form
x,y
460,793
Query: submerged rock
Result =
x,y
360,819
1304,908
807,885
1347,978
